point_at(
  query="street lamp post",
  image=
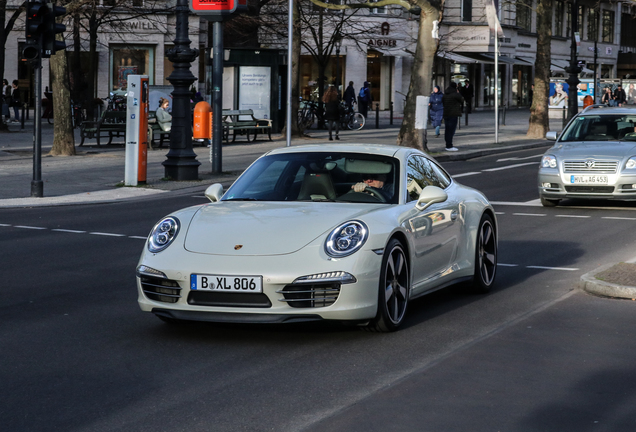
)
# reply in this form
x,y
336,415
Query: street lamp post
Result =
x,y
338,43
181,163
574,69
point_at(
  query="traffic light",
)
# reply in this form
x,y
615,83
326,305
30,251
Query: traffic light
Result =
x,y
51,28
34,29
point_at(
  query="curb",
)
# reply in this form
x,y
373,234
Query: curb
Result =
x,y
594,286
471,154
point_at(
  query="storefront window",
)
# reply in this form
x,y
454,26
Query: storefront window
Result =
x,y
309,74
521,85
558,18
489,84
608,26
130,60
592,24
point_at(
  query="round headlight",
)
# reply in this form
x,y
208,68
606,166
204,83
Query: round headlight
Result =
x,y
631,163
163,234
548,161
346,239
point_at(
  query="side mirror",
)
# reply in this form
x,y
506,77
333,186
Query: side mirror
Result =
x,y
430,195
214,192
551,136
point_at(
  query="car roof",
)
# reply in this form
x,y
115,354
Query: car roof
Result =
x,y
605,110
378,149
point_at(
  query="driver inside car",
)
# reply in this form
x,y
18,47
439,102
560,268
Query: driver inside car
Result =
x,y
375,181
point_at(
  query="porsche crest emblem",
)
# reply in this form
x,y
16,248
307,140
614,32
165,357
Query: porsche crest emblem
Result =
x,y
237,247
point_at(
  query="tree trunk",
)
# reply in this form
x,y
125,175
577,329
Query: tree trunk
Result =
x,y
539,111
296,43
92,70
421,77
63,138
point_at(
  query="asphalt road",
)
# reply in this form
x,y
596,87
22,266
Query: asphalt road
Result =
x,y
535,354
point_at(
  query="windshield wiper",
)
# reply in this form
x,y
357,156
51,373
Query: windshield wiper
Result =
x,y
241,199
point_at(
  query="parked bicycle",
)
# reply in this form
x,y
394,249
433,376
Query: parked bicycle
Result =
x,y
308,114
350,119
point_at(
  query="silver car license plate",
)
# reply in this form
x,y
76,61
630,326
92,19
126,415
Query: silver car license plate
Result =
x,y
588,179
225,283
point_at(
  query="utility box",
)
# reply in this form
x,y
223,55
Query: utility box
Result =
x,y
136,130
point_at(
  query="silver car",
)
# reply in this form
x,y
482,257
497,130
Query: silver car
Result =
x,y
594,157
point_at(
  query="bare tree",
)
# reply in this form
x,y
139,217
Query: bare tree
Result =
x,y
539,111
63,137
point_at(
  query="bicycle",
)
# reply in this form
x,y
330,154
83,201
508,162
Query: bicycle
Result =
x,y
350,119
308,114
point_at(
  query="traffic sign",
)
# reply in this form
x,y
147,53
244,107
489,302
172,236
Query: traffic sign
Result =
x,y
213,7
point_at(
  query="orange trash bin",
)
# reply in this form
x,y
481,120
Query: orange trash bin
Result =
x,y
202,128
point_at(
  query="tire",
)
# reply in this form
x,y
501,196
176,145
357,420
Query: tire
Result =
x,y
549,202
356,122
393,291
485,256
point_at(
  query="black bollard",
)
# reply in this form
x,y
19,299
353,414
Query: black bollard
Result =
x,y
22,118
503,117
565,118
377,116
466,118
391,118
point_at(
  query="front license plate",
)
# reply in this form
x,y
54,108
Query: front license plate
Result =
x,y
236,284
588,179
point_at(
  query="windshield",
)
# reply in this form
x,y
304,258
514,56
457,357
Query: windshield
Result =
x,y
606,127
319,176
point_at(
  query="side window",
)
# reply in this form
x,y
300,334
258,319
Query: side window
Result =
x,y
419,174
444,179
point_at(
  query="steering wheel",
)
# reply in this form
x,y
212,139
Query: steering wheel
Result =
x,y
370,191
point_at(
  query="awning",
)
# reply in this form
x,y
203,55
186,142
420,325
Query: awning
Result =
x,y
456,57
529,61
559,65
489,58
392,52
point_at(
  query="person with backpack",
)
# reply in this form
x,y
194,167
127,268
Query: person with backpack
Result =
x,y
364,99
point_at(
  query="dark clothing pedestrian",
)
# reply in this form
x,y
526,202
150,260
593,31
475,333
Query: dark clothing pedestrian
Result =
x,y
436,109
16,101
350,95
469,94
332,110
453,103
364,99
619,96
607,96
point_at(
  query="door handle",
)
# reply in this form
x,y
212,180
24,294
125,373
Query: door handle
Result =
x,y
453,215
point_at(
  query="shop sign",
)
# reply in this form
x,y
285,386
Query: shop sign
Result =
x,y
214,7
384,43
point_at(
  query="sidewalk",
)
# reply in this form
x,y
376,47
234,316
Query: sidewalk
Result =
x,y
95,169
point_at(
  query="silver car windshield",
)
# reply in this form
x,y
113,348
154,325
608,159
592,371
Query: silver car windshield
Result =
x,y
319,176
605,127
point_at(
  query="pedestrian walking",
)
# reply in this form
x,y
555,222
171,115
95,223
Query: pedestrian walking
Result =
x,y
16,101
436,109
350,95
364,99
6,100
469,94
453,103
619,96
332,110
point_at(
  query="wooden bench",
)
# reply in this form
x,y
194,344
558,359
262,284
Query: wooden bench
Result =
x,y
154,130
111,124
243,122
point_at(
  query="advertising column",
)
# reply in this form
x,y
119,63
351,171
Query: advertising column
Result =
x,y
136,130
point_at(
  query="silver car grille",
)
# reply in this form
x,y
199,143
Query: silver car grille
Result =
x,y
589,165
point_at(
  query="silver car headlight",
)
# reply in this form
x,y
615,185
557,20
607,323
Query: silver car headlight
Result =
x,y
346,239
163,234
548,161
631,163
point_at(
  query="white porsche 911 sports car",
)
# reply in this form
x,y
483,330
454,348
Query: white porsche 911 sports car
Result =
x,y
320,232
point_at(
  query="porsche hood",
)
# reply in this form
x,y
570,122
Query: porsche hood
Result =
x,y
265,228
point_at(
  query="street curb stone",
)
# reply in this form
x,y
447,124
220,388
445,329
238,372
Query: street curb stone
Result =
x,y
590,284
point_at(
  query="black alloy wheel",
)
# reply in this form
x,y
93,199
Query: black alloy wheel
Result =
x,y
394,289
485,256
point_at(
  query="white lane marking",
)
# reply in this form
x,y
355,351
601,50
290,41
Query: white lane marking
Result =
x,y
138,237
529,214
509,166
500,213
553,268
108,234
5,225
617,218
29,227
573,216
466,174
523,204
519,158
68,231
508,265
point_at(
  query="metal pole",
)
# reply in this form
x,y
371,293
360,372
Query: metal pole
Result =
x,y
595,67
377,116
217,97
496,86
290,33
573,69
37,187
